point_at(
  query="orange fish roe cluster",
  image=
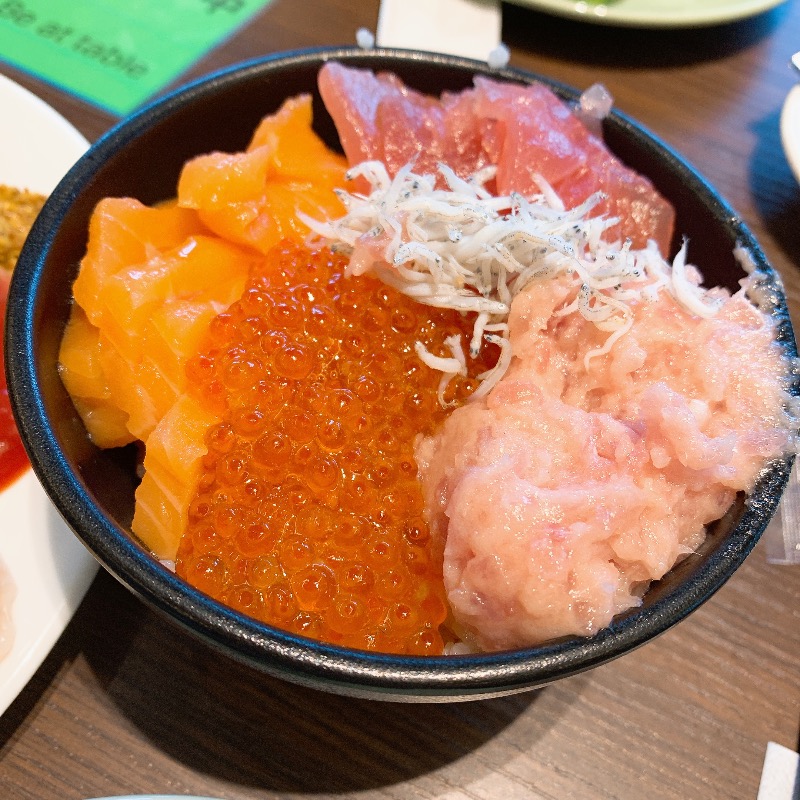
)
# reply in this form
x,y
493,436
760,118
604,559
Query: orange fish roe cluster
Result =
x,y
309,514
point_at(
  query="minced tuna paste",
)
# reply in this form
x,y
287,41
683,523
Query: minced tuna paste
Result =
x,y
577,481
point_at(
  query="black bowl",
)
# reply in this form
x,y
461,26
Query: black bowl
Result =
x,y
93,489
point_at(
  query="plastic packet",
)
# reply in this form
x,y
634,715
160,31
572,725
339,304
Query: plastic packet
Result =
x,y
782,536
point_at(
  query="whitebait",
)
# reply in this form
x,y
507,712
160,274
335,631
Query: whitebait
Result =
x,y
460,247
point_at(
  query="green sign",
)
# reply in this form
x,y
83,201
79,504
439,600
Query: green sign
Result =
x,y
115,53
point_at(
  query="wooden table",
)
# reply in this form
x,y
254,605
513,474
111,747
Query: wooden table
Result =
x,y
127,704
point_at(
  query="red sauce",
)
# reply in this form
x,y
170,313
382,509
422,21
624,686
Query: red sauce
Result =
x,y
13,460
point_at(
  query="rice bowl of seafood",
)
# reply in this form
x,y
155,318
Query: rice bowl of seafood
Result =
x,y
400,376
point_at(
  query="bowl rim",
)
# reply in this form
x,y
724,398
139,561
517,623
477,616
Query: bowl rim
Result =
x,y
273,650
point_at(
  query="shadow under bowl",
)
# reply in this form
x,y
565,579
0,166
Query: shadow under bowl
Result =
x,y
93,489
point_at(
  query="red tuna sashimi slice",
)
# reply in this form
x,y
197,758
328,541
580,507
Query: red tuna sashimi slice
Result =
x,y
352,97
379,117
538,133
534,133
525,130
644,213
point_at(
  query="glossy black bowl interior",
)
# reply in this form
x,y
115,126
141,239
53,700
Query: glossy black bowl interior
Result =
x,y
93,489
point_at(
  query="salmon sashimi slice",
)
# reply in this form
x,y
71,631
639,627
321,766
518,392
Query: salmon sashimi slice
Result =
x,y
150,316
84,377
252,197
123,231
172,469
183,289
201,269
297,152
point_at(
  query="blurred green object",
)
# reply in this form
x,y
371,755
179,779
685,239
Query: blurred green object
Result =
x,y
116,53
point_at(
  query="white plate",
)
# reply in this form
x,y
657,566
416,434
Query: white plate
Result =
x,y
654,13
790,129
50,567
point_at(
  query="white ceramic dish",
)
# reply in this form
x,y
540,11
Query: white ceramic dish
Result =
x,y
790,129
50,567
654,13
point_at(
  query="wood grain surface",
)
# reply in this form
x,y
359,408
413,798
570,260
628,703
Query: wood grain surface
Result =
x,y
128,704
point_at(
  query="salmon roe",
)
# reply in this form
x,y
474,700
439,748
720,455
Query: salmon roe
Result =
x,y
309,515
